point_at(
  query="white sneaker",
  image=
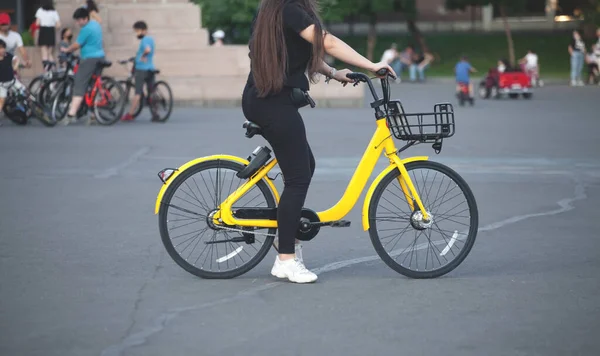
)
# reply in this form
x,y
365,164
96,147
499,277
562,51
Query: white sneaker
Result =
x,y
297,247
294,270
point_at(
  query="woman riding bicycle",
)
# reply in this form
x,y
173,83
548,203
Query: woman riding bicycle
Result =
x,y
288,41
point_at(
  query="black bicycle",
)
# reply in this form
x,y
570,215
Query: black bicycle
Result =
x,y
160,100
20,105
46,88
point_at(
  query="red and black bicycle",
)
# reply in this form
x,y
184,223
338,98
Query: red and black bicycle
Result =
x,y
104,97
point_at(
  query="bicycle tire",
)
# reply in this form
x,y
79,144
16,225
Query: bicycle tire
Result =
x,y
46,95
62,99
37,81
126,85
167,203
39,111
9,109
116,106
473,220
168,104
140,107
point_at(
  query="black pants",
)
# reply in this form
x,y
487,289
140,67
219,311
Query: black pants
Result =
x,y
283,128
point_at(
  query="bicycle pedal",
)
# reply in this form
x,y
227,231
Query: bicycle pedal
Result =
x,y
341,223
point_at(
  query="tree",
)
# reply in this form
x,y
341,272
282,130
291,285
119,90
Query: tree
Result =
x,y
336,10
232,16
503,7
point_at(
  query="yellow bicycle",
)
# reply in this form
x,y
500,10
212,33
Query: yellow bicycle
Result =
x,y
218,214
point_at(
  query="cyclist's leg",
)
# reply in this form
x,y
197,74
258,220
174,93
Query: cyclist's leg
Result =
x,y
283,128
3,95
81,82
140,79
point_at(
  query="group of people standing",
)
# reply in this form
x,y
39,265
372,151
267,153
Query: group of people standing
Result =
x,y
580,56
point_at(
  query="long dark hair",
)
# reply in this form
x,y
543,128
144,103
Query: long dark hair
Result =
x,y
268,48
91,6
48,5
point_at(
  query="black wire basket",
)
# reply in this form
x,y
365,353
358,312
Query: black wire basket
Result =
x,y
421,127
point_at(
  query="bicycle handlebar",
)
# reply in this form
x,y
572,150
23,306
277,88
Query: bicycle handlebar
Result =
x,y
383,73
125,61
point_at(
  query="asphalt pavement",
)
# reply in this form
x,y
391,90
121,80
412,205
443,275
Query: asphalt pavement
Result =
x,y
83,270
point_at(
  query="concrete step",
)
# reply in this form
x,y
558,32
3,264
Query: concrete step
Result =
x,y
227,91
165,39
168,16
210,62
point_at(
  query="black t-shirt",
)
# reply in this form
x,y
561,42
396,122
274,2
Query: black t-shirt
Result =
x,y
6,69
578,45
299,51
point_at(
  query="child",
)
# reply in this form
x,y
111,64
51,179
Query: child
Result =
x,y
144,67
7,74
65,41
463,70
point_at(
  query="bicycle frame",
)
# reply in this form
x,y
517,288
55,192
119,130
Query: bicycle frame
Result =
x,y
381,142
90,94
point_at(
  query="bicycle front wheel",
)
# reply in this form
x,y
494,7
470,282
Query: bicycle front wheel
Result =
x,y
42,113
109,102
415,247
188,233
62,99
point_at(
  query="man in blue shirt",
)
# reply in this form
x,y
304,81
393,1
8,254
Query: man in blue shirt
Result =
x,y
89,42
144,68
463,70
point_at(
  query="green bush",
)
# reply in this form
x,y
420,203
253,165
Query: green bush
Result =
x,y
27,38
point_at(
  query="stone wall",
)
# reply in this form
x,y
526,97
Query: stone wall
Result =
x,y
197,72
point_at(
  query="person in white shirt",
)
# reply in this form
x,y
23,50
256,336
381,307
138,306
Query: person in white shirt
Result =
x,y
392,57
218,37
12,39
48,20
530,65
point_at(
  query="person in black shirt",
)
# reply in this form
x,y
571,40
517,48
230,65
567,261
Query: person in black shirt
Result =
x,y
288,41
7,73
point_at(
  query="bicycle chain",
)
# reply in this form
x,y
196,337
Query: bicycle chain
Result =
x,y
246,231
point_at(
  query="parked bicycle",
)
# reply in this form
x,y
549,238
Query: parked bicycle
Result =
x,y
104,97
213,211
46,85
20,105
160,100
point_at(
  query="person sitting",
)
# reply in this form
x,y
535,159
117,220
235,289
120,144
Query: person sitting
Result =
x,y
391,57
421,61
7,74
593,62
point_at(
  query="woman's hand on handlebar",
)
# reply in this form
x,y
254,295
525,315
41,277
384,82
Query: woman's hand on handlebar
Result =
x,y
377,67
341,76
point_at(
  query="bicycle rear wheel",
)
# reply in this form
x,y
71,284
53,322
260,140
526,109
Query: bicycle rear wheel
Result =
x,y
109,102
436,247
161,102
193,241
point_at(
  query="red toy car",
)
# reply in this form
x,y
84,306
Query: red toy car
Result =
x,y
513,83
